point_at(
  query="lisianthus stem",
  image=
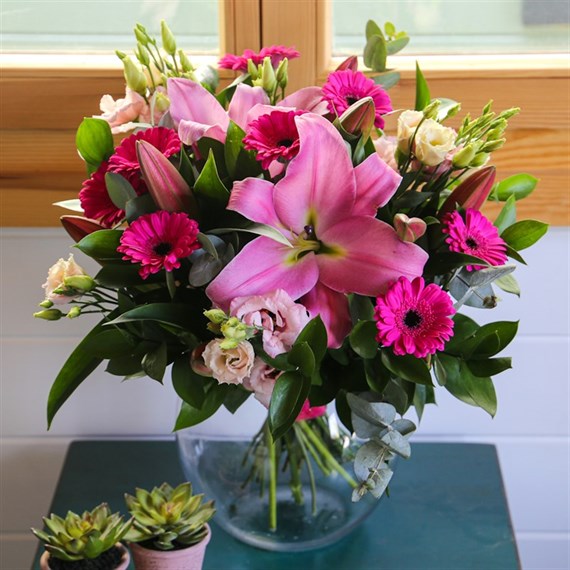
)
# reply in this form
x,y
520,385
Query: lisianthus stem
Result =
x,y
300,439
294,463
272,479
326,454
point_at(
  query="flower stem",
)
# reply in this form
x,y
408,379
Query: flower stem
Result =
x,y
326,454
272,480
294,464
300,439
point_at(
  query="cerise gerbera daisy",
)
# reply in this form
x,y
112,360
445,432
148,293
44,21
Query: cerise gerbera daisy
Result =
x,y
159,241
475,235
239,62
346,87
274,136
414,319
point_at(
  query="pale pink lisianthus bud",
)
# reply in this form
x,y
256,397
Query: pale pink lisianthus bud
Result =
x,y
57,274
308,413
277,314
229,366
261,381
409,229
386,149
121,113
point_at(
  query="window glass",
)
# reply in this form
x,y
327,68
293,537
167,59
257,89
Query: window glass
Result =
x,y
457,26
105,25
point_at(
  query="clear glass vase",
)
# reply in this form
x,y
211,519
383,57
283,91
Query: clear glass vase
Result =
x,y
318,513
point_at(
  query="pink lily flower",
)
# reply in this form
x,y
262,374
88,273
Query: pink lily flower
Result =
x,y
325,208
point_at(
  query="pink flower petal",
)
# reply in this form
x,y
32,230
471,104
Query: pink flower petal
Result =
x,y
262,266
333,309
307,99
245,97
376,183
191,132
319,187
253,198
370,257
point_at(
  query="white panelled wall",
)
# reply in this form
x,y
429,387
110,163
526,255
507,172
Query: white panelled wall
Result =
x,y
531,429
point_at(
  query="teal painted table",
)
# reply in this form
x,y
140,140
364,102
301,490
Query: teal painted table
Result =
x,y
447,509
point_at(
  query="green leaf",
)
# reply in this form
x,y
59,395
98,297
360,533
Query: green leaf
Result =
x,y
80,364
439,370
315,335
489,367
361,308
187,384
257,229
124,275
125,365
394,46
303,358
509,284
139,206
377,375
190,416
235,397
154,362
463,328
174,314
375,53
74,205
209,187
423,97
491,338
289,394
524,234
233,147
513,254
387,80
186,169
507,216
447,107
518,187
110,343
119,189
420,397
94,141
407,367
397,396
447,261
102,245
363,339
372,29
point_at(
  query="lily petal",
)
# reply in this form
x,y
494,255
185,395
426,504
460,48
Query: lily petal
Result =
x,y
319,188
244,99
376,183
367,257
261,267
190,132
333,309
253,198
307,99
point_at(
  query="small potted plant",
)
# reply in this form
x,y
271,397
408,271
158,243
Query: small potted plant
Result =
x,y
87,542
170,529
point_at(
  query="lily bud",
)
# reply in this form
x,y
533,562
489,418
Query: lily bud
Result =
x,y
409,229
49,315
216,316
78,227
269,80
80,283
168,41
165,184
472,192
74,312
134,77
349,63
359,117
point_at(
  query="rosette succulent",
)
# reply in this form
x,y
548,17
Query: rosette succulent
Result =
x,y
168,518
87,540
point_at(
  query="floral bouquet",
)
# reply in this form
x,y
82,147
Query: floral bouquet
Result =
x,y
286,247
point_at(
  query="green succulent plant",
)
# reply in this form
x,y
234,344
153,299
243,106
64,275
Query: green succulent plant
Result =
x,y
84,537
168,518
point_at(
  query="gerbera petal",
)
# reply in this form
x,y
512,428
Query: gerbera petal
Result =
x,y
253,198
245,97
367,257
376,183
333,309
189,101
262,266
319,187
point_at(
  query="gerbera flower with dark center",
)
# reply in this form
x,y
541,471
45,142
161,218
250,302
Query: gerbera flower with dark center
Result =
x,y
474,235
159,241
95,200
274,136
414,319
346,87
125,162
239,62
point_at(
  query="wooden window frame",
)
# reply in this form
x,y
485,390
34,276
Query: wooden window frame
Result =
x,y
38,163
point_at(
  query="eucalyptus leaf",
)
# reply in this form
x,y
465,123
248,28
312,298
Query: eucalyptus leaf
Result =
x,y
119,189
139,206
481,297
404,426
509,284
375,53
368,458
387,80
396,443
394,46
377,413
364,429
380,480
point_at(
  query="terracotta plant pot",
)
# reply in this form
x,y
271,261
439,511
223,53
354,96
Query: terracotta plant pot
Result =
x,y
123,565
190,558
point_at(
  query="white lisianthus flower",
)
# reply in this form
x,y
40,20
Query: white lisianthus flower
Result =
x,y
229,366
407,124
433,142
57,291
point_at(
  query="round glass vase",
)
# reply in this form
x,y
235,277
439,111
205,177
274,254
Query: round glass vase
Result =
x,y
218,467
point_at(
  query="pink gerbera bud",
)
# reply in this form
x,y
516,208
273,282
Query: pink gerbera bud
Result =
x,y
274,136
475,235
346,87
159,241
414,319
